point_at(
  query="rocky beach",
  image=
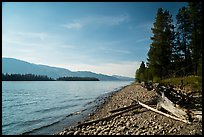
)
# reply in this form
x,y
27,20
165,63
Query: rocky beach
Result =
x,y
136,121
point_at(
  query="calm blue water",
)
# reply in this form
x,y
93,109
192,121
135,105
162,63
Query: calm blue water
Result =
x,y
45,107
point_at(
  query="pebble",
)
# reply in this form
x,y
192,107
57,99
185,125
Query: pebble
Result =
x,y
128,124
146,123
76,132
101,133
156,127
171,130
160,127
138,132
70,132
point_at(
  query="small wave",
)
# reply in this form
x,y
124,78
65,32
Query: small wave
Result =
x,y
30,122
8,100
17,105
28,132
9,124
77,112
54,108
88,103
79,99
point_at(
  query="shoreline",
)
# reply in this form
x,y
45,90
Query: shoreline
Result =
x,y
135,122
98,103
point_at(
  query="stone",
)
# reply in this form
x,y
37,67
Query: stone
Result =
x,y
105,133
100,123
101,133
171,130
128,124
138,132
70,132
62,133
160,127
156,127
76,132
104,122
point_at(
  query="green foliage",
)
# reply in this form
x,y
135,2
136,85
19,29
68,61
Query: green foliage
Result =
x,y
141,73
195,13
159,55
192,82
156,79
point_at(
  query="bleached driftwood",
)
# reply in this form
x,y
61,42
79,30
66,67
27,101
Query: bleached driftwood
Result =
x,y
171,107
134,105
196,114
167,115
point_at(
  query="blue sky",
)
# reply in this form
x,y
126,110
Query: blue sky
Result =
x,y
102,37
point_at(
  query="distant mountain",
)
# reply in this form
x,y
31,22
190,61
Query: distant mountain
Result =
x,y
15,66
123,78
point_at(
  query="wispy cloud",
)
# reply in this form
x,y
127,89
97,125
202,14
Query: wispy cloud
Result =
x,y
114,20
40,35
108,20
113,50
97,20
75,25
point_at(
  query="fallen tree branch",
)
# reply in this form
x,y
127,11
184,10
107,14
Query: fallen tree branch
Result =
x,y
167,115
131,107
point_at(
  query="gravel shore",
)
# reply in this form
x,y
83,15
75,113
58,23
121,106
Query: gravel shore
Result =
x,y
139,121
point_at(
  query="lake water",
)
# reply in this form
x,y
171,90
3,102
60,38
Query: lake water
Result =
x,y
46,107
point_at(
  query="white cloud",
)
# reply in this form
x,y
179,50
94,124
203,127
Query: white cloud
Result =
x,y
73,26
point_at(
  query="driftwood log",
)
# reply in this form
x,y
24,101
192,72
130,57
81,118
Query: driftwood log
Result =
x,y
119,111
160,112
168,105
178,103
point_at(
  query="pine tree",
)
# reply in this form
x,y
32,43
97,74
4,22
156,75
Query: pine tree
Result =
x,y
140,73
160,53
184,31
195,13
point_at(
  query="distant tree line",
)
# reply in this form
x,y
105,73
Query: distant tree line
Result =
x,y
25,77
176,49
32,77
77,79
